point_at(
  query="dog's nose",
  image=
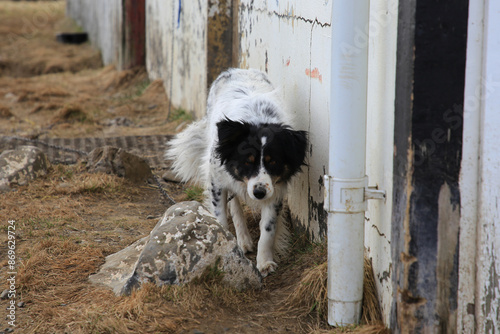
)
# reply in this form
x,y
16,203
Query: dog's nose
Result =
x,y
259,192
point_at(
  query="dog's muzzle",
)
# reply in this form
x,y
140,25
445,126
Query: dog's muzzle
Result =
x,y
260,187
259,191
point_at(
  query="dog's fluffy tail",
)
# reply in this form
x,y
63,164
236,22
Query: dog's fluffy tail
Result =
x,y
187,151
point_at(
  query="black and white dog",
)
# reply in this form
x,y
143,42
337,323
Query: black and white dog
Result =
x,y
244,146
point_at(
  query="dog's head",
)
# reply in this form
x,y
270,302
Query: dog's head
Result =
x,y
260,155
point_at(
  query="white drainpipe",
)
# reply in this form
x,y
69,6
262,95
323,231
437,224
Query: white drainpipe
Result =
x,y
346,188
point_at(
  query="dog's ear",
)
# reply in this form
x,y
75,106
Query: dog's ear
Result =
x,y
294,148
230,134
231,131
298,147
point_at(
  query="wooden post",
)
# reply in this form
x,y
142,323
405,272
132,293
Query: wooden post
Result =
x,y
430,79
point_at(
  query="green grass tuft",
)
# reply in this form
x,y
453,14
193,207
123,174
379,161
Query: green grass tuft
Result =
x,y
179,114
194,194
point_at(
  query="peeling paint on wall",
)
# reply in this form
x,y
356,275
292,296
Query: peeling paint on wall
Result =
x,y
314,74
487,308
268,29
407,303
430,82
447,260
176,51
219,38
489,303
382,36
220,7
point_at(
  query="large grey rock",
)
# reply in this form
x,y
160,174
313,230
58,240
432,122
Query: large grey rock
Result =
x,y
113,160
186,242
119,267
21,165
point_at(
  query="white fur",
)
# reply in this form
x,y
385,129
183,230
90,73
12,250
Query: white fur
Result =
x,y
194,158
187,150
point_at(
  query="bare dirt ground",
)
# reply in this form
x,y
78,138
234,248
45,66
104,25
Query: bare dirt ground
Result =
x,y
68,221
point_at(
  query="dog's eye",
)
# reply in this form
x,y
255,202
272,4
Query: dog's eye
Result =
x,y
269,160
250,160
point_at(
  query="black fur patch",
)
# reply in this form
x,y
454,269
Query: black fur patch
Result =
x,y
216,195
240,148
270,226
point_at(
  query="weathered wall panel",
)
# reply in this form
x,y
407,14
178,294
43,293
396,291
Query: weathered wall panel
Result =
x,y
469,178
479,289
219,38
488,254
176,50
103,21
382,36
428,143
294,50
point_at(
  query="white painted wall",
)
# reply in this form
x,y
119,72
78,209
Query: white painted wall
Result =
x,y
176,50
291,41
479,263
102,20
470,167
380,141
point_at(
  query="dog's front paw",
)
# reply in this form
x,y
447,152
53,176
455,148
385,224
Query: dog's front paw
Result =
x,y
245,242
267,267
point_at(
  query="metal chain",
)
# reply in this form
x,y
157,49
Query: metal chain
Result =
x,y
162,191
84,153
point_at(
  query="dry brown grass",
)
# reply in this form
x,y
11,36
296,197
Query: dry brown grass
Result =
x,y
5,112
371,314
28,44
49,258
46,85
309,296
71,113
53,280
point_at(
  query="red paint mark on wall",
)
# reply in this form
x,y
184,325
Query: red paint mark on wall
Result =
x,y
314,74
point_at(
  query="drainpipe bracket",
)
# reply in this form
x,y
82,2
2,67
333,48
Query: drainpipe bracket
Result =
x,y
375,193
345,195
349,195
